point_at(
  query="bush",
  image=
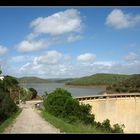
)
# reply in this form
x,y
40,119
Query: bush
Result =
x,y
7,106
106,125
55,102
117,128
61,104
34,93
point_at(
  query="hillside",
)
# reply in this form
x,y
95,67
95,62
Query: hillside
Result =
x,y
61,80
99,79
32,80
130,85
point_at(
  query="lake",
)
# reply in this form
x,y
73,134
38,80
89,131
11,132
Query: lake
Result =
x,y
75,91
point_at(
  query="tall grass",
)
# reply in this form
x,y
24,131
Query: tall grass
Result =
x,y
65,127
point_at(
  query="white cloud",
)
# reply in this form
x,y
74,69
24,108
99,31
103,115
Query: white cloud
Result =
x,y
61,70
3,50
104,63
32,45
73,38
87,57
131,57
119,20
21,58
58,23
50,57
52,30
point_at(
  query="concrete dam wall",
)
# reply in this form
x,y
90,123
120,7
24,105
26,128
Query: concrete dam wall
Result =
x,y
122,110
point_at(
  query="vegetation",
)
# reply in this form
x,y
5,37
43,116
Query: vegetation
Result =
x,y
8,83
130,85
33,92
9,121
61,80
40,80
61,104
66,127
32,80
28,94
99,79
7,105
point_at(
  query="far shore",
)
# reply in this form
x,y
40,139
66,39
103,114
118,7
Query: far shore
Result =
x,y
87,86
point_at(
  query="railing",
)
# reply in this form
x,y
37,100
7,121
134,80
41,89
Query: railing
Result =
x,y
105,96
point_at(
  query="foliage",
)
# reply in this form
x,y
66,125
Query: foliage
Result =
x,y
61,104
7,105
66,127
9,121
33,92
99,79
0,71
117,128
132,84
32,80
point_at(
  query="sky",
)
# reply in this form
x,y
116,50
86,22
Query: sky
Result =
x,y
68,42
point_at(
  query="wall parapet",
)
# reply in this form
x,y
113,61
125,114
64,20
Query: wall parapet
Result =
x,y
105,96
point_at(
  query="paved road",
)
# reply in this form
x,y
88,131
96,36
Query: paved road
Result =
x,y
29,121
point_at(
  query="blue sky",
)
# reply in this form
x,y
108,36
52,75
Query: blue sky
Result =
x,y
62,42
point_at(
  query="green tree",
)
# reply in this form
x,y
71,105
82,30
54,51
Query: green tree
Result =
x,y
61,104
0,71
7,105
34,93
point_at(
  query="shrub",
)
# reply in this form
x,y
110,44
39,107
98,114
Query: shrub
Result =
x,y
7,106
117,128
33,92
61,104
106,125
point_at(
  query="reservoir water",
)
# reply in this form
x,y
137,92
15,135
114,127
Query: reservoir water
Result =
x,y
75,91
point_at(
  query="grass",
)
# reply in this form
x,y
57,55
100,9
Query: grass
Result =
x,y
9,121
70,128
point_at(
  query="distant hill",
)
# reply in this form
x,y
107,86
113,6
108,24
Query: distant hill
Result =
x,y
61,80
32,80
40,80
130,85
99,79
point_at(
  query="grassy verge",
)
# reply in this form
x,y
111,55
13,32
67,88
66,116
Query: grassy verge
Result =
x,y
9,121
70,128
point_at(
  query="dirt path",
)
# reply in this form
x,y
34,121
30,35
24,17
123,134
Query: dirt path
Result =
x,y
29,121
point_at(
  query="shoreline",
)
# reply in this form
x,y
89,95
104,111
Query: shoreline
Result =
x,y
88,86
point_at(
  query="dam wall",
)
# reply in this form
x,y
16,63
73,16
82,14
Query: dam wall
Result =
x,y
124,109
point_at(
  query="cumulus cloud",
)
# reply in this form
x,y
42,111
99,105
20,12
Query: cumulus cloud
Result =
x,y
58,23
21,58
120,20
60,70
3,50
131,57
50,57
87,57
57,28
73,38
32,45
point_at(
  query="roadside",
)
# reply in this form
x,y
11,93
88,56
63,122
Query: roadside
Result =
x,y
29,121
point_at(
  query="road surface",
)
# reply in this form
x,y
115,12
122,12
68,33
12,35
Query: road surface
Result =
x,y
29,121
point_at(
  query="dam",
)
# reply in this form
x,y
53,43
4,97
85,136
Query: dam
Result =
x,y
118,108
